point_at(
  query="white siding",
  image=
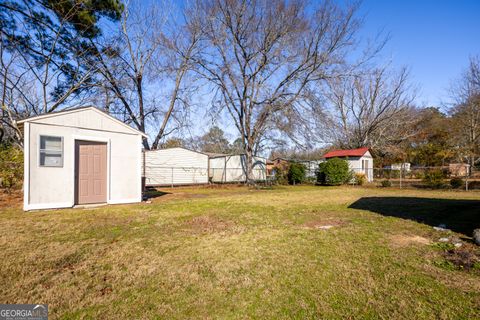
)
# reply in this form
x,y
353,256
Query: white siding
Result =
x,y
355,164
94,120
54,187
401,166
175,166
232,168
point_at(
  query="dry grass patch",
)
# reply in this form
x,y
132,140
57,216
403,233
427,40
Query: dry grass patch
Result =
x,y
403,240
209,224
325,224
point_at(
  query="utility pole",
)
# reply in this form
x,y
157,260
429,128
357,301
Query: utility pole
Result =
x,y
401,169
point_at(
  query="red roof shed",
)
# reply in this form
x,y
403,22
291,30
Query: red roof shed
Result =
x,y
346,153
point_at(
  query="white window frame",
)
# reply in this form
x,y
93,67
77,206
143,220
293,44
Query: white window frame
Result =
x,y
40,150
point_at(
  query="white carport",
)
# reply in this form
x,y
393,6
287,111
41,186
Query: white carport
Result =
x,y
174,167
233,168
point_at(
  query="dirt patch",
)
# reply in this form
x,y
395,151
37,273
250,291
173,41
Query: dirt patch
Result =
x,y
463,281
323,224
403,240
466,257
12,199
208,224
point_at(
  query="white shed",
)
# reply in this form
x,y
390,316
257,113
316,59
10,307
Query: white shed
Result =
x,y
360,160
233,168
175,166
80,156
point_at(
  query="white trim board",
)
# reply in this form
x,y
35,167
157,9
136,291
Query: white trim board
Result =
x,y
81,109
139,169
123,201
46,206
26,167
68,205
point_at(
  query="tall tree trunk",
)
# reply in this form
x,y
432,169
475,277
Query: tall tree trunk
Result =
x,y
249,163
141,109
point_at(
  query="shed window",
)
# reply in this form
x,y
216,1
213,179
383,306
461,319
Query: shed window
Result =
x,y
51,151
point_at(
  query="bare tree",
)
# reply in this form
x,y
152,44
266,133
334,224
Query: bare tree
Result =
x,y
180,44
371,109
13,89
259,56
145,68
466,112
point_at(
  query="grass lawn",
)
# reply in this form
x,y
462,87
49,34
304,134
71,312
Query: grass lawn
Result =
x,y
239,253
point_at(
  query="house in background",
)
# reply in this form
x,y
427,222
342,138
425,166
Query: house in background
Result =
x,y
459,169
224,168
175,167
311,166
277,163
360,160
405,167
270,165
80,156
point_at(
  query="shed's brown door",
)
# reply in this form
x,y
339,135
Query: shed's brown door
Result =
x,y
90,172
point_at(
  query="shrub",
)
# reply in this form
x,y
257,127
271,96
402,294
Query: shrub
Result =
x,y
434,179
393,174
334,171
296,173
360,179
310,180
11,167
281,175
456,183
386,183
417,174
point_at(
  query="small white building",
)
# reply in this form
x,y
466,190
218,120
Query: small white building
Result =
x,y
174,167
359,160
80,156
233,168
405,166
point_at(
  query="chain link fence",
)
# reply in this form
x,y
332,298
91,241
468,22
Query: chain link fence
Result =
x,y
461,177
455,176
415,177
156,176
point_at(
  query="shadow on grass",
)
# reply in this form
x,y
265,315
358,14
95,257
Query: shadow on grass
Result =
x,y
461,216
151,193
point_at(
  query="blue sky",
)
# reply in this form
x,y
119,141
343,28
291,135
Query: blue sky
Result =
x,y
434,39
